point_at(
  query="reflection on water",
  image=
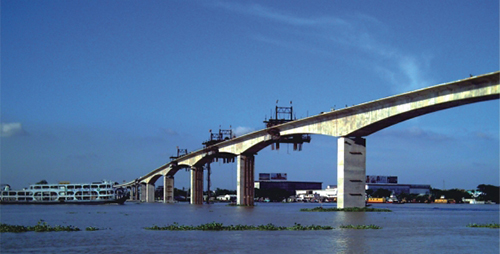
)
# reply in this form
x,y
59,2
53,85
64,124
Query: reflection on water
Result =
x,y
410,228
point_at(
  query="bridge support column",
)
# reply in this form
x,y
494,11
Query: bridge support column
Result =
x,y
245,174
196,185
150,193
136,192
351,172
168,189
132,192
142,190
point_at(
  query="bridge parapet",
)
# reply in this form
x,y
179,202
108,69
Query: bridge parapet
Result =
x,y
367,118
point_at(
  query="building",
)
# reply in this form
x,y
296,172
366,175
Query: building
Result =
x,y
227,197
375,182
421,189
290,186
329,193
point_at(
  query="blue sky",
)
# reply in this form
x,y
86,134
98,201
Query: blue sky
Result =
x,y
95,90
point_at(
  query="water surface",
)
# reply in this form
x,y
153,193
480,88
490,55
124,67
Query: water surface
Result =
x,y
409,228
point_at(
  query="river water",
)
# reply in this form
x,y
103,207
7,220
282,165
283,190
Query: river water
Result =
x,y
409,228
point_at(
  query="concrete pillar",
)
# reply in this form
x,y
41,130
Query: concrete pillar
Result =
x,y
196,185
143,192
130,190
351,172
150,193
245,180
136,192
168,189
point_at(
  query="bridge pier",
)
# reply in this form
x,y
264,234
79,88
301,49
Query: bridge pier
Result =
x,y
142,192
132,190
245,180
136,192
196,186
351,172
168,189
150,193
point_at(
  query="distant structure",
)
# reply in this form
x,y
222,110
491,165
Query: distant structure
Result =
x,y
284,115
180,153
269,181
375,182
219,137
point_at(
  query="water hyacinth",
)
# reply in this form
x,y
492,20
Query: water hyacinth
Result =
x,y
491,225
349,209
371,226
40,227
214,226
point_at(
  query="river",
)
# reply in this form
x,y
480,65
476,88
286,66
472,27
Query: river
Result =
x,y
409,228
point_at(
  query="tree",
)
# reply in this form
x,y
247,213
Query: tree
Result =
x,y
274,194
382,193
490,192
222,192
456,194
42,182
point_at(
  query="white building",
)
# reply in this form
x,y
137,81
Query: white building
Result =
x,y
330,193
227,197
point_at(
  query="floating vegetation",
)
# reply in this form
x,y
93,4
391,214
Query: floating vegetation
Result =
x,y
371,226
214,226
491,225
349,209
91,229
40,227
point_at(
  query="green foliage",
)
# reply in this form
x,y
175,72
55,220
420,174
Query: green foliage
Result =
x,y
4,228
456,194
91,229
40,227
222,192
382,193
274,194
371,226
349,209
417,198
214,226
492,225
490,192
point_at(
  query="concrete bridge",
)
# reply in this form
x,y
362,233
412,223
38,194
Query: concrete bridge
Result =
x,y
351,125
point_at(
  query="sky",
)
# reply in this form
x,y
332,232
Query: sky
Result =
x,y
94,90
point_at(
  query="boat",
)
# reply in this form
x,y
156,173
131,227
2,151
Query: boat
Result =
x,y
65,193
376,200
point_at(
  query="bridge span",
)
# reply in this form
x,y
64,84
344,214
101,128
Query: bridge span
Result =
x,y
351,125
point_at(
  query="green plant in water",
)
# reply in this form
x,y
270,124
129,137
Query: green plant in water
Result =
x,y
214,226
91,229
40,227
43,227
4,228
491,225
349,209
371,226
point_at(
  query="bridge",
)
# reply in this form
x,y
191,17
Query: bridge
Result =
x,y
351,125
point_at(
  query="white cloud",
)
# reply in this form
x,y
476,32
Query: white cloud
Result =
x,y
417,133
169,131
329,35
11,129
241,130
